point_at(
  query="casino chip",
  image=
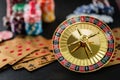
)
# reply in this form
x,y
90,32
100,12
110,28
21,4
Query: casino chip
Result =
x,y
108,10
91,8
104,18
5,35
98,10
86,9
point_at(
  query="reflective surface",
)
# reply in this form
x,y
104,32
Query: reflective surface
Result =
x,y
83,44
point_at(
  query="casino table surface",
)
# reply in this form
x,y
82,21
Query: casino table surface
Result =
x,y
55,71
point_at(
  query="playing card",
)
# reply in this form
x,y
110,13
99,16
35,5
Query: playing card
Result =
x,y
51,57
36,54
116,57
22,64
43,54
38,42
39,62
49,42
116,32
17,49
43,45
46,58
23,50
17,66
31,65
4,60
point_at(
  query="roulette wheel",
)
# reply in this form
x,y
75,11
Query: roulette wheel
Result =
x,y
83,44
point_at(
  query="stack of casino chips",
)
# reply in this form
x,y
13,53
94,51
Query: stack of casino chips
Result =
x,y
32,15
14,20
25,17
100,9
48,10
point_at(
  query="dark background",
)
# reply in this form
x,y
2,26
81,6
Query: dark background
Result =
x,y
55,71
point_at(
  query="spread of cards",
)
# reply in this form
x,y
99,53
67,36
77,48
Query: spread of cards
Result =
x,y
26,52
116,57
